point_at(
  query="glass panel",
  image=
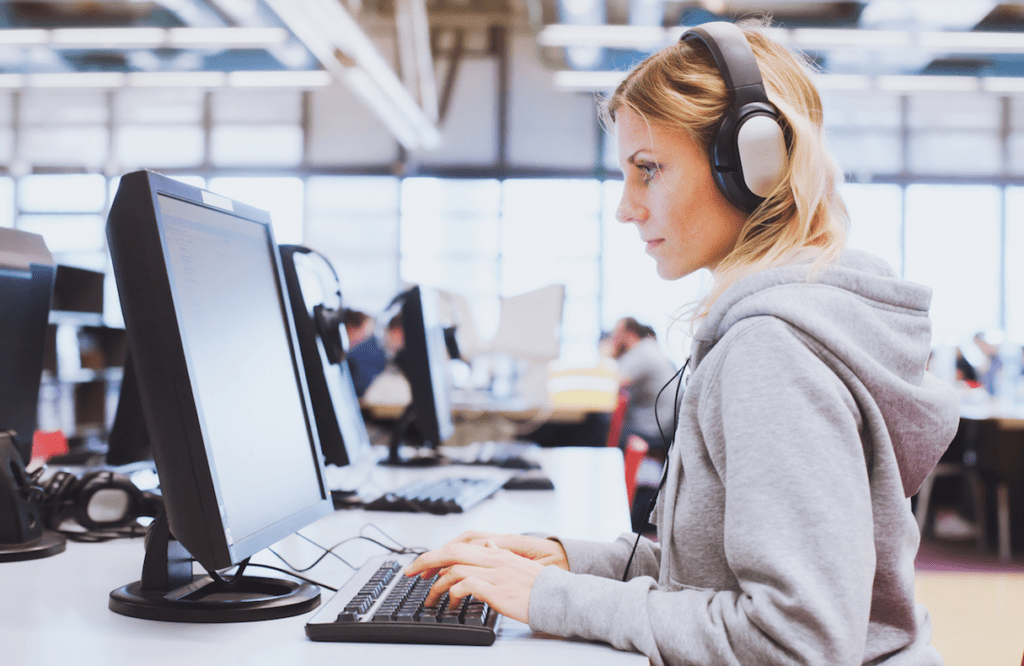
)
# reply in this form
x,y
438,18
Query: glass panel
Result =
x,y
859,110
155,105
632,288
956,258
449,237
6,202
281,197
955,111
1016,149
867,151
66,233
63,107
1014,266
70,193
876,221
65,146
6,145
961,152
159,145
257,106
544,221
277,145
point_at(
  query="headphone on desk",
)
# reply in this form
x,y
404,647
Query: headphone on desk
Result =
x,y
99,501
748,152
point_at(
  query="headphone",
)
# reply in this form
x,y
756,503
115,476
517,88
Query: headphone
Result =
x,y
748,152
99,500
329,322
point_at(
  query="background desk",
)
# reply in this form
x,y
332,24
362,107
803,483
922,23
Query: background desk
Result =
x,y
54,610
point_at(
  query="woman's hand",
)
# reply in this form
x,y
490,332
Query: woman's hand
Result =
x,y
542,551
498,569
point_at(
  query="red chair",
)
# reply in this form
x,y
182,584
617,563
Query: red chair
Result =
x,y
636,451
618,416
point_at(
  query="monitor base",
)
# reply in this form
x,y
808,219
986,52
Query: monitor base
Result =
x,y
249,599
47,545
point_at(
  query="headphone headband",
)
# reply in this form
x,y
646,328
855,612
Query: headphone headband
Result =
x,y
748,152
734,58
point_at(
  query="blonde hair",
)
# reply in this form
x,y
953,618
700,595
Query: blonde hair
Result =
x,y
680,88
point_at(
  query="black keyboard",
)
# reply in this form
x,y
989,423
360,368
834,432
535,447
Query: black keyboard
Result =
x,y
445,495
512,454
379,604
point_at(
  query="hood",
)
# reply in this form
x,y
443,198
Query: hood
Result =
x,y
876,326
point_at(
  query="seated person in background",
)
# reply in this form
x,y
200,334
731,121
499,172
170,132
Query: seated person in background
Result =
x,y
368,357
645,370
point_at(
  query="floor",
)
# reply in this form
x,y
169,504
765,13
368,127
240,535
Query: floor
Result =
x,y
975,601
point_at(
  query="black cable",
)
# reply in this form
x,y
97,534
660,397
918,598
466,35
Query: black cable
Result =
x,y
668,446
295,575
221,580
400,550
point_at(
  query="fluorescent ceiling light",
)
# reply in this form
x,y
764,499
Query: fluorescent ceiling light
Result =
x,y
928,83
231,37
588,81
843,81
177,79
76,80
611,36
107,37
304,80
843,37
283,79
1002,84
973,42
647,38
134,38
24,37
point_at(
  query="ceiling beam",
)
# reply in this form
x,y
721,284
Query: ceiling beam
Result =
x,y
336,40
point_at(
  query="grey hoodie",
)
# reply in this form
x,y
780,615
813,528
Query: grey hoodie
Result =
x,y
785,529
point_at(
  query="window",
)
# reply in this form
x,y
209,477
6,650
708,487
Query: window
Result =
x,y
876,221
952,246
281,197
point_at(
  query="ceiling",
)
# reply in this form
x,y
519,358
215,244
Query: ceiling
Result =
x,y
973,44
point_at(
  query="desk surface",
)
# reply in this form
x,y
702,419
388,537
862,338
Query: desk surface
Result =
x,y
54,610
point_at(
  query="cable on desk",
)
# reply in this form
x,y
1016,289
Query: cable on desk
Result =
x,y
402,548
295,575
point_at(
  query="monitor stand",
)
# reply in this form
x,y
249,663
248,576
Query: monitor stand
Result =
x,y
169,592
407,446
21,519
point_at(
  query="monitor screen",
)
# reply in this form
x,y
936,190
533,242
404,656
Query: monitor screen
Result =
x,y
26,288
218,371
424,361
343,436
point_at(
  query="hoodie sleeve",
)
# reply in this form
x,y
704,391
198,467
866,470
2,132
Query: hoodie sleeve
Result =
x,y
783,433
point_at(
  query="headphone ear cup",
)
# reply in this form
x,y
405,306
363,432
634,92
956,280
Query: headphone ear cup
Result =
x,y
106,500
328,324
57,498
749,156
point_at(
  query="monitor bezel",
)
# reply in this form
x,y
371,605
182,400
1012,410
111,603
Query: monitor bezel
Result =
x,y
139,253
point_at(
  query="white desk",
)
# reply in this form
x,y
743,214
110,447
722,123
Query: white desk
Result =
x,y
54,610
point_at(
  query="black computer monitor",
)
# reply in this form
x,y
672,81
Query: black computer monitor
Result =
x,y
26,289
427,422
224,398
322,340
128,439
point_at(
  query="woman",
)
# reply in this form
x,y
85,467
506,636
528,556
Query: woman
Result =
x,y
785,533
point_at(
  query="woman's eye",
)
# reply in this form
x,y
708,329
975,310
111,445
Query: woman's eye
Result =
x,y
648,170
